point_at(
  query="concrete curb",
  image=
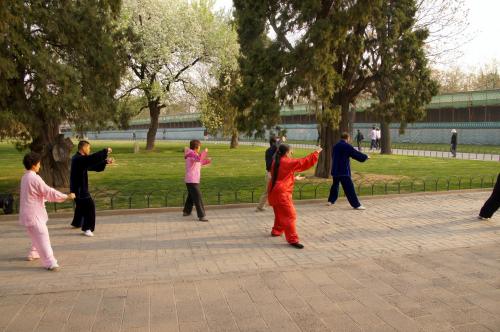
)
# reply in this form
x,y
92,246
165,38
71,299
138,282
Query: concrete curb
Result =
x,y
125,212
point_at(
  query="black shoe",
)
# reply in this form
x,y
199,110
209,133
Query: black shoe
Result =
x,y
297,245
203,219
184,214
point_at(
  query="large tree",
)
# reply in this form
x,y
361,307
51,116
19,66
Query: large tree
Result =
x,y
403,86
60,62
179,47
319,52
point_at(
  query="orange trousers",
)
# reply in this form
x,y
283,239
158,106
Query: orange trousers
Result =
x,y
284,222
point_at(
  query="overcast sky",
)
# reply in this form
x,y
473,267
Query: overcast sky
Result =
x,y
484,28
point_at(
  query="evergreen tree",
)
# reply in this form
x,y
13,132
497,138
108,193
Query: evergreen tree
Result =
x,y
60,63
403,86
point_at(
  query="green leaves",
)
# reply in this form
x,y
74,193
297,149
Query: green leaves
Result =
x,y
58,70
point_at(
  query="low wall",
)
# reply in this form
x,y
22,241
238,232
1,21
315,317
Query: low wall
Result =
x,y
468,133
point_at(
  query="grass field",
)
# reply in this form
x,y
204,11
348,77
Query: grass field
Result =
x,y
156,178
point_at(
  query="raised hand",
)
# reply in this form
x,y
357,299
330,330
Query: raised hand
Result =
x,y
319,149
110,150
206,149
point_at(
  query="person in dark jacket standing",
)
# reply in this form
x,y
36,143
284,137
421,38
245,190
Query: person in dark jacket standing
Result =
x,y
341,171
269,155
359,139
81,163
453,147
492,204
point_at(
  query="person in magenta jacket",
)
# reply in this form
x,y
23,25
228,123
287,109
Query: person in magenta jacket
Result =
x,y
194,161
32,214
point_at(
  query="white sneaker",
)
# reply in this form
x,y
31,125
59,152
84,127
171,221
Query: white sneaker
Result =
x,y
482,218
88,232
53,267
361,207
329,204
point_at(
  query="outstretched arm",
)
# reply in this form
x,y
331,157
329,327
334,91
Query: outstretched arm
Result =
x,y
305,163
359,156
49,194
94,159
99,167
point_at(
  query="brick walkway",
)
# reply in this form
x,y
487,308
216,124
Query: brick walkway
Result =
x,y
409,263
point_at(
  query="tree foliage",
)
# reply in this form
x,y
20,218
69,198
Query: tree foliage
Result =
x,y
60,62
178,48
403,86
325,51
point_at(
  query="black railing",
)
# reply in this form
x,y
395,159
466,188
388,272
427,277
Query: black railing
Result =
x,y
175,197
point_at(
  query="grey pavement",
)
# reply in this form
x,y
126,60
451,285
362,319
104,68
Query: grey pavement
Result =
x,y
407,263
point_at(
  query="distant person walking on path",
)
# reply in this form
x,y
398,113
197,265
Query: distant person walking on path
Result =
x,y
341,171
454,142
32,214
269,156
280,191
81,163
359,139
194,161
493,202
379,136
373,138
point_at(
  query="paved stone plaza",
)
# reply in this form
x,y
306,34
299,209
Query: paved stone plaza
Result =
x,y
407,263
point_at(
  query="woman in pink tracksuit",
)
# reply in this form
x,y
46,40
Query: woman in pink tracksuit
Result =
x,y
34,192
194,161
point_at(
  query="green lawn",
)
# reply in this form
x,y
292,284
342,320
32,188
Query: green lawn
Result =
x,y
156,178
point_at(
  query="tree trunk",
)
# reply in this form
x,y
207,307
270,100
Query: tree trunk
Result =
x,y
234,141
345,123
56,156
327,139
154,113
385,139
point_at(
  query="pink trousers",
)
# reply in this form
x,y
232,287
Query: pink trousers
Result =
x,y
40,244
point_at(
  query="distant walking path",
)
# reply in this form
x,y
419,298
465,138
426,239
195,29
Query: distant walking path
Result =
x,y
402,152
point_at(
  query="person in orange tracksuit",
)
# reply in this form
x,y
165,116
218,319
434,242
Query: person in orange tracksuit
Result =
x,y
280,190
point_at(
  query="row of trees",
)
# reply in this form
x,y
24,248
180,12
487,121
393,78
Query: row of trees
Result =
x,y
108,60
456,79
102,61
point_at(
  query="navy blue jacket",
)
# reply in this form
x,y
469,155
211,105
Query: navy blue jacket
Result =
x,y
80,164
341,153
269,157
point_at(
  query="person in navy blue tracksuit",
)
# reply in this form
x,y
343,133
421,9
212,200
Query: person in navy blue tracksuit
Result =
x,y
341,171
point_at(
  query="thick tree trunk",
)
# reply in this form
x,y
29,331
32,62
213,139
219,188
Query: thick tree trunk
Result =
x,y
56,156
327,139
234,141
385,138
154,113
345,123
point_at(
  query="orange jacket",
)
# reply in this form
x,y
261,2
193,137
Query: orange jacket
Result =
x,y
283,188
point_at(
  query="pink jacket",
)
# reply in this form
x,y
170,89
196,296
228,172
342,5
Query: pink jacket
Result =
x,y
34,193
194,162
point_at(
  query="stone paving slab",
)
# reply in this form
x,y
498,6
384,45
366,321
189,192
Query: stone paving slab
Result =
x,y
413,263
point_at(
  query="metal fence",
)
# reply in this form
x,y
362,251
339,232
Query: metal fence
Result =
x,y
175,197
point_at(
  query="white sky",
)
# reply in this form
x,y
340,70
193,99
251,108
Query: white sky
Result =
x,y
484,28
